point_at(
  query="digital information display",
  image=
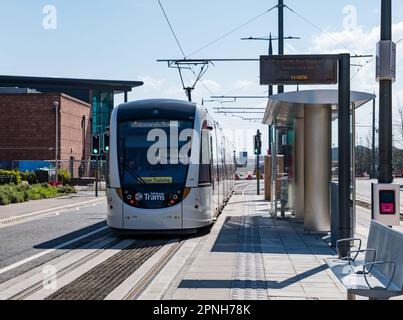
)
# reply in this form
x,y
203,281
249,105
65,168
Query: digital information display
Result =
x,y
298,69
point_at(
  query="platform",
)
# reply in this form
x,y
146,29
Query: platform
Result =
x,y
248,255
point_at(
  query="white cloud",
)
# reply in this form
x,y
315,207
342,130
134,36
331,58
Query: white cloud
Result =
x,y
245,84
151,83
360,41
212,85
363,41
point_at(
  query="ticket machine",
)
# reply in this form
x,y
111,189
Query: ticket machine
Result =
x,y
386,204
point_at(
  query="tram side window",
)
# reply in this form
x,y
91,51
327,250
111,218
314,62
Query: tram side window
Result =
x,y
205,158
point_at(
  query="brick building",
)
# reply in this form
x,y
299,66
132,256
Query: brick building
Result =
x,y
28,117
28,127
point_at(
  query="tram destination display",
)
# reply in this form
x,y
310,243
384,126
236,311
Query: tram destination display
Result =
x,y
298,69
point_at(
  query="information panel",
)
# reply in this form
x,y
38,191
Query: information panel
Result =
x,y
298,69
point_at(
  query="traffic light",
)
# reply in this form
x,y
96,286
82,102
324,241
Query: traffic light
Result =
x,y
96,145
106,142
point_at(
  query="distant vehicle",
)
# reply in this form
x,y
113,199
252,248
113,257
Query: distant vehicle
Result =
x,y
240,176
242,162
167,197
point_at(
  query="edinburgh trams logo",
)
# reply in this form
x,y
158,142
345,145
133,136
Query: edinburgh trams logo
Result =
x,y
154,196
139,196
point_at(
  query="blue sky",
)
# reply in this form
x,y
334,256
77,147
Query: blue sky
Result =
x,y
123,39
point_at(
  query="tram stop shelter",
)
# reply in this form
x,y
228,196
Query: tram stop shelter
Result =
x,y
303,128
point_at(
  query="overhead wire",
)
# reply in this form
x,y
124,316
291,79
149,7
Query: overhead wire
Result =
x,y
170,26
231,31
319,29
198,77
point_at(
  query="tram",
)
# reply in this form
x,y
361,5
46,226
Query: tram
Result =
x,y
171,169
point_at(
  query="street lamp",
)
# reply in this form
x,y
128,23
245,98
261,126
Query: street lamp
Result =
x,y
57,110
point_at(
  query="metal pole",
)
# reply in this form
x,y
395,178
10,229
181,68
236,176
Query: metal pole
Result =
x,y
345,227
270,93
354,169
96,176
56,105
126,97
189,93
280,89
373,170
385,104
258,163
258,174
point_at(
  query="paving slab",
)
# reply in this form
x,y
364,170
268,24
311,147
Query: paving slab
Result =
x,y
250,255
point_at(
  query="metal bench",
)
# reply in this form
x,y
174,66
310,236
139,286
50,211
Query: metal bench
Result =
x,y
379,274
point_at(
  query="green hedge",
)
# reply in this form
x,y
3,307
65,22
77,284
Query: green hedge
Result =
x,y
42,176
11,193
30,177
64,176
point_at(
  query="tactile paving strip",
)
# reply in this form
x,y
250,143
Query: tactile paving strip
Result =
x,y
249,278
97,283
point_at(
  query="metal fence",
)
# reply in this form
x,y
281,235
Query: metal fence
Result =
x,y
80,172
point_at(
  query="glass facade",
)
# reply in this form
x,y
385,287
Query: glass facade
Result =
x,y
102,106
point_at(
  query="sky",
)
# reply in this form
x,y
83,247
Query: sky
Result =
x,y
122,40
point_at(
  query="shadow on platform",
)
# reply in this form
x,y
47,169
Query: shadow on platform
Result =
x,y
271,237
250,284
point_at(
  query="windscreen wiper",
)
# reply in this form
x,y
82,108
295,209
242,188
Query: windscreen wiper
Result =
x,y
134,174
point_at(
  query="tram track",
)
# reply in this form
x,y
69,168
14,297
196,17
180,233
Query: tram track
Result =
x,y
94,269
101,280
367,205
39,285
145,281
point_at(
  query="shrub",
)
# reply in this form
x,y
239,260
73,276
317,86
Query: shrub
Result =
x,y
11,193
29,176
4,199
66,189
41,176
64,176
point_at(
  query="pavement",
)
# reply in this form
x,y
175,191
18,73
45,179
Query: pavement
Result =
x,y
247,255
251,256
37,227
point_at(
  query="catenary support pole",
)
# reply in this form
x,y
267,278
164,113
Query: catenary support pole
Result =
x,y
385,104
280,88
270,93
345,212
373,157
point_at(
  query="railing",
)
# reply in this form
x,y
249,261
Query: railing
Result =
x,y
80,172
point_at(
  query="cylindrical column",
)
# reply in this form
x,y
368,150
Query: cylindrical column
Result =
x,y
317,142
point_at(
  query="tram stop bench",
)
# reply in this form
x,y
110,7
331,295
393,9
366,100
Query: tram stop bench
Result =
x,y
375,272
